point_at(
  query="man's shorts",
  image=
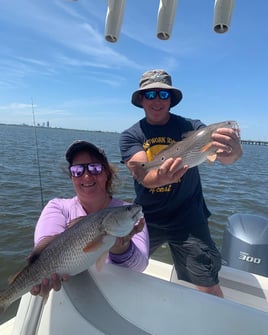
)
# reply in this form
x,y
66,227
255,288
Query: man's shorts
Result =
x,y
196,258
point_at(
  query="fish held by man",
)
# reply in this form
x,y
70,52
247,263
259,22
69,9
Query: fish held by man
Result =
x,y
195,148
74,250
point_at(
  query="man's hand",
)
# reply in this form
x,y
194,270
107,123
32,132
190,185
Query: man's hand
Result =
x,y
229,147
170,171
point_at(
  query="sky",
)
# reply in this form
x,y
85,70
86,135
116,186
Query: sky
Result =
x,y
56,65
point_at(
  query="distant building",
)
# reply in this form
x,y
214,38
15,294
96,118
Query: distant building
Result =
x,y
48,124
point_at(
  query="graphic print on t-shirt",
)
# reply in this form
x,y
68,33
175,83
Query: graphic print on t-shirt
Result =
x,y
154,145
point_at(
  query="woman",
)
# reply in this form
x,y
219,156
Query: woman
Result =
x,y
92,178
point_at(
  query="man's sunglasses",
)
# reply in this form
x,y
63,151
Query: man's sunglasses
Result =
x,y
151,95
78,170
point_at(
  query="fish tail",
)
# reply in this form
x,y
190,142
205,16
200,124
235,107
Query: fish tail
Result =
x,y
138,170
2,309
237,130
3,304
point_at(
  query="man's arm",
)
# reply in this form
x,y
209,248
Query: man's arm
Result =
x,y
166,174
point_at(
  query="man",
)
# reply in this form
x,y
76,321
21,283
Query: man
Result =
x,y
172,199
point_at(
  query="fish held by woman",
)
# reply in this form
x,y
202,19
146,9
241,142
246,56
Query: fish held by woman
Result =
x,y
195,148
74,250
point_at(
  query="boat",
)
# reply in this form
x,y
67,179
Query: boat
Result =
x,y
121,301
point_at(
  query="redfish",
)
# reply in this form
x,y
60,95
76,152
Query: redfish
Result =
x,y
196,147
74,250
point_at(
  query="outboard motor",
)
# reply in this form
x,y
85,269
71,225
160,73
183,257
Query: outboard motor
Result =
x,y
245,243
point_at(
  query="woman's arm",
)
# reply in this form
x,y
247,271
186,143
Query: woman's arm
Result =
x,y
51,222
132,251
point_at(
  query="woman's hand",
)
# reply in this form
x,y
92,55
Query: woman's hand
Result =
x,y
54,282
122,243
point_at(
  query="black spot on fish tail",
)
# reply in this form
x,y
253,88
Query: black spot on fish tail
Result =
x,y
40,247
33,257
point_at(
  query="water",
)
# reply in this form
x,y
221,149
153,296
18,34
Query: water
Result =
x,y
238,188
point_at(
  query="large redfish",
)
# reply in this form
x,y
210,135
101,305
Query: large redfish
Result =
x,y
196,147
74,250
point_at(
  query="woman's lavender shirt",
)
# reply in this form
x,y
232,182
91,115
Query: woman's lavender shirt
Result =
x,y
57,215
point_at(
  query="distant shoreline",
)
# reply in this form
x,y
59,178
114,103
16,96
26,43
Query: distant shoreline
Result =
x,y
59,128
254,142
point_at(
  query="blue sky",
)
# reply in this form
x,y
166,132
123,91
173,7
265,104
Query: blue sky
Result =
x,y
54,53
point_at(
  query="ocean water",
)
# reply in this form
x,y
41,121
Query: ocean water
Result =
x,y
32,166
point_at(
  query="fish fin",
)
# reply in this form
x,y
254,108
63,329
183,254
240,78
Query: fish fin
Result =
x,y
12,278
94,245
2,309
101,261
207,147
187,134
75,221
211,158
34,255
138,170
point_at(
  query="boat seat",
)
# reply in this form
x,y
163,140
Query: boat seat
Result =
x,y
239,286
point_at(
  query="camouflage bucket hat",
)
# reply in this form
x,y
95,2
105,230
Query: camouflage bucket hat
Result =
x,y
156,79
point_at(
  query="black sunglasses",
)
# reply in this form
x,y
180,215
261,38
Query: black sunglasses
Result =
x,y
78,170
151,95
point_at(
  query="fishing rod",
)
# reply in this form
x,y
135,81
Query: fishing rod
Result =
x,y
37,157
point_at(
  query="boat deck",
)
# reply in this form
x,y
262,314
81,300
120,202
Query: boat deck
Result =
x,y
239,286
145,304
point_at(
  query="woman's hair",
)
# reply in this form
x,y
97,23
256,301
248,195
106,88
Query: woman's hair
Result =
x,y
99,155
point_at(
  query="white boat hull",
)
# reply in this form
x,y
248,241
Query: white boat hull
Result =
x,y
120,301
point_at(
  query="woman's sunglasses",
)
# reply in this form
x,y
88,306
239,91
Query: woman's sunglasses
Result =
x,y
78,170
151,95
